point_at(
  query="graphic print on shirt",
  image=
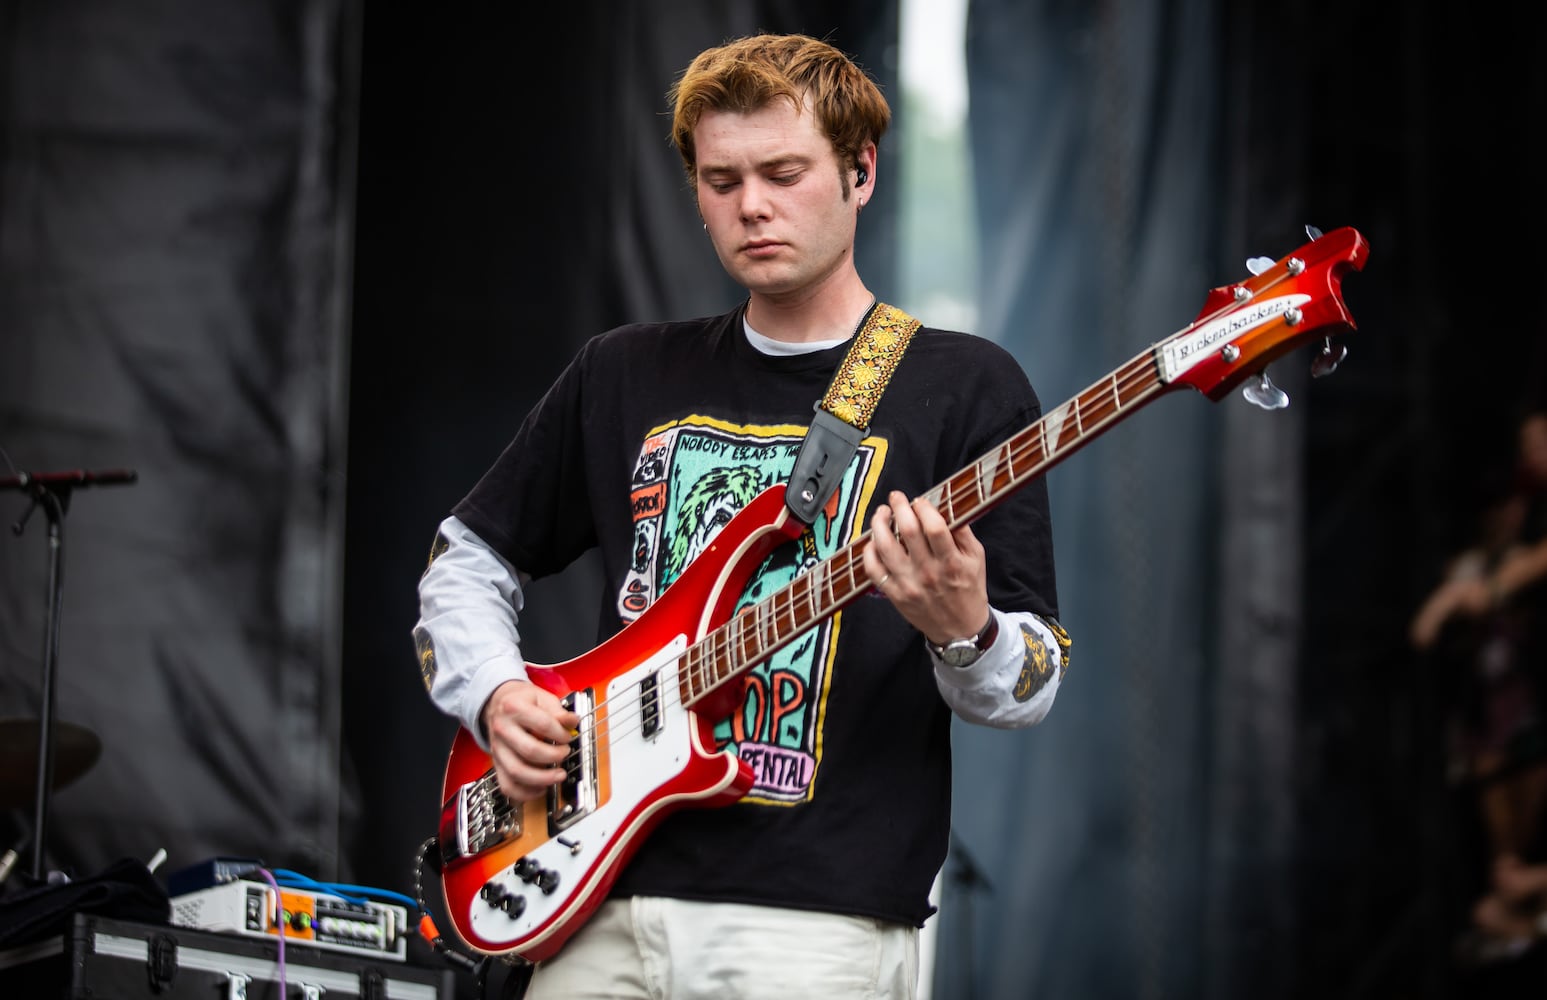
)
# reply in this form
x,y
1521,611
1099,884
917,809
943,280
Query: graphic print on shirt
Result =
x,y
692,476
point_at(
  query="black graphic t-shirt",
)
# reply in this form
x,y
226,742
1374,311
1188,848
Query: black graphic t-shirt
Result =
x,y
646,447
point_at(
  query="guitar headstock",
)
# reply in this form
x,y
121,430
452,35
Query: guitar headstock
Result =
x,y
1246,325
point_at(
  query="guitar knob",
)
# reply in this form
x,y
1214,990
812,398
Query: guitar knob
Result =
x,y
513,905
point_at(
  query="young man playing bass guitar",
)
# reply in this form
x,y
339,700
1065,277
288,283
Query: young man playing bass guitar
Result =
x,y
744,789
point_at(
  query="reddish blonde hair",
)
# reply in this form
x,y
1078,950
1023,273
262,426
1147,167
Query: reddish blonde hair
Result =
x,y
750,73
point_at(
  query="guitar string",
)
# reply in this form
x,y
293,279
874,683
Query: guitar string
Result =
x,y
1138,376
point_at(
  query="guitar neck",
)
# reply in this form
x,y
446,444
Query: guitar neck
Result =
x,y
971,492
764,628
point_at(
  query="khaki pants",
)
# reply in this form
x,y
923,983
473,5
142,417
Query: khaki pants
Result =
x,y
649,948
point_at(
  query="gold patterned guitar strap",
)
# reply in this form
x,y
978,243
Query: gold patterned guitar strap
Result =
x,y
843,415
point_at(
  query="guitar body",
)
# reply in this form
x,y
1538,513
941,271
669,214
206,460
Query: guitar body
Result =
x,y
521,878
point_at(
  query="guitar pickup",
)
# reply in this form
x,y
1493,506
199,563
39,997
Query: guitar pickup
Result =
x,y
573,798
650,706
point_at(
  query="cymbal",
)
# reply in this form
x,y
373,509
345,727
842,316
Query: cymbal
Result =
x,y
76,749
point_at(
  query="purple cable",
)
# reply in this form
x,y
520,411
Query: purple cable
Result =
x,y
279,924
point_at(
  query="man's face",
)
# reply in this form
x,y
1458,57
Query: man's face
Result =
x,y
772,199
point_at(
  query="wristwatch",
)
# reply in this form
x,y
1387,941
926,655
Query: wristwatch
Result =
x,y
965,652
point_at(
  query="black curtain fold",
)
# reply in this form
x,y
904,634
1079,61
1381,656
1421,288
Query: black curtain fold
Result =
x,y
171,300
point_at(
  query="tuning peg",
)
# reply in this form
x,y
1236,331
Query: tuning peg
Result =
x,y
1257,265
1265,394
1313,232
1328,358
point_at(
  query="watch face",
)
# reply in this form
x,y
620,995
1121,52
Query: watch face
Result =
x,y
960,653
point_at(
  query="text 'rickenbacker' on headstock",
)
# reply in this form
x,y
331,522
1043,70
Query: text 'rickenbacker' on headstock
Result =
x,y
519,879
1282,305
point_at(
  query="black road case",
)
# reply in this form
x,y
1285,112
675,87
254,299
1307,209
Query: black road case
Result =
x,y
106,959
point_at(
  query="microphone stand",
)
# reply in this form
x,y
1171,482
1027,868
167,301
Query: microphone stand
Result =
x,y
51,491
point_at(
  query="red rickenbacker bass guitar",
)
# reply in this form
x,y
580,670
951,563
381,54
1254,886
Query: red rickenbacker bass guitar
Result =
x,y
520,878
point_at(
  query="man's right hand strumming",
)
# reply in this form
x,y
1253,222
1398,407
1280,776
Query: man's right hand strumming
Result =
x,y
529,731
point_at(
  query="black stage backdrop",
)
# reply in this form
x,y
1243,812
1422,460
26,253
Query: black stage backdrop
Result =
x,y
1241,791
175,244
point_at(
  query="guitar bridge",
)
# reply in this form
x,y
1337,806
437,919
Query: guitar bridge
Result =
x,y
477,818
573,798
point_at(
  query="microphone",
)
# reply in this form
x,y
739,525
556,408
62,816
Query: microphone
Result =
x,y
77,478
